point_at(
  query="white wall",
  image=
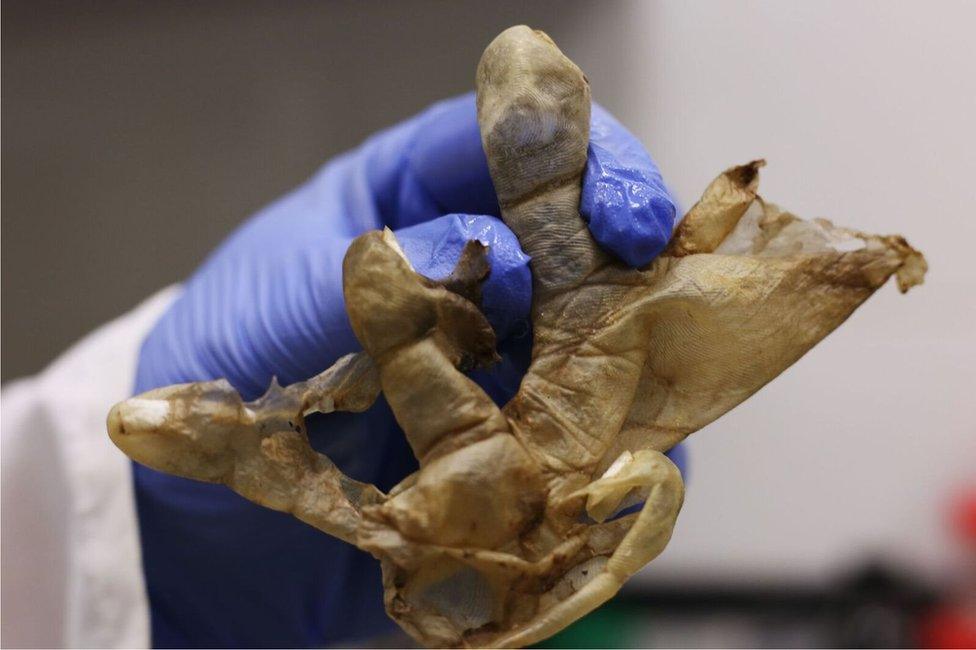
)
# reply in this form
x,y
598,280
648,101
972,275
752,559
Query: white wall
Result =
x,y
865,112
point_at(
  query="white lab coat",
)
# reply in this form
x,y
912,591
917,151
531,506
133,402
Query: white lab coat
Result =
x,y
71,561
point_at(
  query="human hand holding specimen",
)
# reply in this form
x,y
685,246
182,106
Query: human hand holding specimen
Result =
x,y
504,535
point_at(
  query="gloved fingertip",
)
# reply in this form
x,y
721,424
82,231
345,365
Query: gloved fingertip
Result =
x,y
628,214
679,456
434,247
506,295
625,201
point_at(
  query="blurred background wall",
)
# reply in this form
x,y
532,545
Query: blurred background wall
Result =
x,y
865,113
138,134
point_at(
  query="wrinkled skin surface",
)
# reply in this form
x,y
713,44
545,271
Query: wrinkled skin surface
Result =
x,y
505,535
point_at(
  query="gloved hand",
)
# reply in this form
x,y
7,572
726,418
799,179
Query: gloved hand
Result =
x,y
222,571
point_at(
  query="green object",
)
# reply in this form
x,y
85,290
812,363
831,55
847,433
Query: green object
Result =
x,y
611,626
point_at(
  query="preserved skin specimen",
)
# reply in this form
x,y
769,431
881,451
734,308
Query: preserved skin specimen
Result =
x,y
507,534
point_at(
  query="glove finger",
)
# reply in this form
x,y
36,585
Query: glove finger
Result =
x,y
625,201
434,247
430,165
679,456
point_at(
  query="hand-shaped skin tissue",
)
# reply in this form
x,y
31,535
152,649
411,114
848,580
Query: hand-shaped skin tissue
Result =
x,y
506,533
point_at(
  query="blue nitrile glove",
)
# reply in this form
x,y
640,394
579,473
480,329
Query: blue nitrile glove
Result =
x,y
222,571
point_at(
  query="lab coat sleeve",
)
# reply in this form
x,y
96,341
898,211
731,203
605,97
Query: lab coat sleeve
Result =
x,y
71,562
